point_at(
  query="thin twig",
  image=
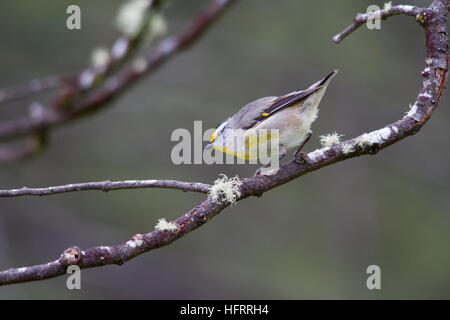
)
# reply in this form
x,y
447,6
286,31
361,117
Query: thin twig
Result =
x,y
382,14
107,186
32,87
434,78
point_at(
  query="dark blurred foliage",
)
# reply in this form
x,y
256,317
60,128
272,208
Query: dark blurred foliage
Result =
x,y
311,238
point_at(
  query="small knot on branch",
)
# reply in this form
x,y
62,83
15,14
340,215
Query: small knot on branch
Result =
x,y
359,17
424,16
374,148
302,158
71,256
106,186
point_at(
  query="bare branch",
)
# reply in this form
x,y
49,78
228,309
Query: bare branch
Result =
x,y
434,78
124,47
383,14
107,186
113,85
118,254
32,87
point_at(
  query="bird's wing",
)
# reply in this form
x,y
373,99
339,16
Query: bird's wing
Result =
x,y
288,100
276,105
245,118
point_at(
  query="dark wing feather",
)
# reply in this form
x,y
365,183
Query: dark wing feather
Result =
x,y
284,102
289,99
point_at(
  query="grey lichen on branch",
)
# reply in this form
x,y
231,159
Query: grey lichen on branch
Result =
x,y
434,77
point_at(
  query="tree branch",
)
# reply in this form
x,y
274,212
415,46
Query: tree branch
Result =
x,y
67,109
123,48
107,186
383,14
434,78
74,85
32,87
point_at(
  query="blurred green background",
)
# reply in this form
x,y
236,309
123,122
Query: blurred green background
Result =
x,y
311,238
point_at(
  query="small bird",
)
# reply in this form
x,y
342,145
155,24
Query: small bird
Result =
x,y
291,114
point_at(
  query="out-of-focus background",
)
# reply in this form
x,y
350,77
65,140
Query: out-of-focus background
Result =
x,y
311,238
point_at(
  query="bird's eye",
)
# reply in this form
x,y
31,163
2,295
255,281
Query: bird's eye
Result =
x,y
213,137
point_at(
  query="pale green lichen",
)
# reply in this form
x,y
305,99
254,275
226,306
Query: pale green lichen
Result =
x,y
363,140
330,139
412,110
99,57
347,148
163,225
388,6
225,189
374,137
132,17
157,25
140,65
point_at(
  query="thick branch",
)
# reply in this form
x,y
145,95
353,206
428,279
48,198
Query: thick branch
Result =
x,y
107,186
434,79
